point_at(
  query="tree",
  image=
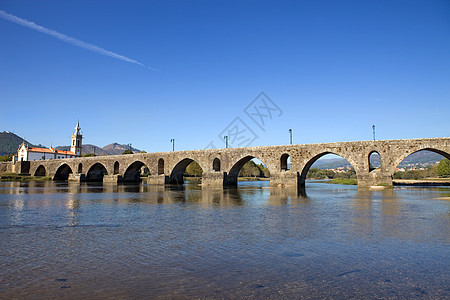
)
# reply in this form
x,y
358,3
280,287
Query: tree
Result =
x,y
88,154
6,157
250,169
193,169
128,151
143,151
443,168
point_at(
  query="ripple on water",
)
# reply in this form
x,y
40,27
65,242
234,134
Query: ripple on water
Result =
x,y
145,242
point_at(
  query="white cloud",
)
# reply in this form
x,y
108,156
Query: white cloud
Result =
x,y
68,39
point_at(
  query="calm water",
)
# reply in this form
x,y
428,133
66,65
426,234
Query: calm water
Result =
x,y
139,241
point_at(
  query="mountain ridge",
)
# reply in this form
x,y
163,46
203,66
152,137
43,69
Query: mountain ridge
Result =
x,y
10,142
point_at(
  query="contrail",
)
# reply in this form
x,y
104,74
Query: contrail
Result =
x,y
69,39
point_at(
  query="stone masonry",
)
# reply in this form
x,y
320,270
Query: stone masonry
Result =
x,y
221,166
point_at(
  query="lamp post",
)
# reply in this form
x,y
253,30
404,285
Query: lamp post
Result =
x,y
226,141
373,131
173,144
290,136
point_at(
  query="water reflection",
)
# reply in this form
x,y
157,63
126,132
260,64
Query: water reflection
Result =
x,y
246,242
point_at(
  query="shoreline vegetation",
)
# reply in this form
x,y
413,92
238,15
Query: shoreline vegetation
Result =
x,y
17,177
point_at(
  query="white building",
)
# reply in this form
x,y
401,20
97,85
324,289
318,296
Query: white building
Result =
x,y
27,153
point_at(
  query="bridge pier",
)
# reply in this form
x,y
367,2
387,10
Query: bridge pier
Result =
x,y
77,177
213,179
375,178
156,179
284,179
112,178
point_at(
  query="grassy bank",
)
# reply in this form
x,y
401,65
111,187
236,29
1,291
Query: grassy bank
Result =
x,y
16,177
345,181
253,179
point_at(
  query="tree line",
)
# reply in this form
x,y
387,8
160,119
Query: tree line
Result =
x,y
250,169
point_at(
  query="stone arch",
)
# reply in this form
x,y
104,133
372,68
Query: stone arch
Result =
x,y
311,161
233,174
370,157
134,171
116,168
284,166
216,165
80,168
40,171
96,173
62,173
160,166
400,158
176,176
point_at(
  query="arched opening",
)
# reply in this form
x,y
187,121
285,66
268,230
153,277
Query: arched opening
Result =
x,y
186,168
285,162
248,168
374,161
63,172
330,167
160,166
80,168
216,165
427,166
116,168
135,171
96,173
40,171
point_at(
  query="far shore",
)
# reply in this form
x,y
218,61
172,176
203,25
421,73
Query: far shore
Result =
x,y
423,182
396,182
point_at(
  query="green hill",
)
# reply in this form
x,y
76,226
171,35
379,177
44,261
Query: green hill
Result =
x,y
10,142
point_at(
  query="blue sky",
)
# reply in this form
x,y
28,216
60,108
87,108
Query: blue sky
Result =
x,y
333,68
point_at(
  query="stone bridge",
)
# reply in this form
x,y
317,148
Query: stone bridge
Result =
x,y
221,166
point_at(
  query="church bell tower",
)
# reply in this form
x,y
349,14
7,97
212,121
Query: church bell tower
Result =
x,y
75,146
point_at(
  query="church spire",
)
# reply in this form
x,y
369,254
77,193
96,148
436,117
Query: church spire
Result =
x,y
77,128
77,137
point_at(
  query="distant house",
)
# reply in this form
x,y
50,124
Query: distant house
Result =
x,y
27,153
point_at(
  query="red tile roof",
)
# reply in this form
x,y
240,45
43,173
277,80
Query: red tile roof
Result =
x,y
50,150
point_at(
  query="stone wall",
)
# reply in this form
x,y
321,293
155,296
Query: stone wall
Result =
x,y
167,167
6,167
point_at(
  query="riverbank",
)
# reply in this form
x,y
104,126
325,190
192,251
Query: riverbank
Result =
x,y
422,182
17,177
345,181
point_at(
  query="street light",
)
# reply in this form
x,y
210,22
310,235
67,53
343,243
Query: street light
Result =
x,y
173,144
226,141
290,136
373,131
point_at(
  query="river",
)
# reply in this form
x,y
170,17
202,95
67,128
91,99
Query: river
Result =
x,y
65,240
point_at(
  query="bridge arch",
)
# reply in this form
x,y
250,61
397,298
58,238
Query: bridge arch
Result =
x,y
400,158
216,164
40,171
80,168
161,166
233,174
62,173
311,161
116,168
372,159
284,162
96,172
134,171
176,176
